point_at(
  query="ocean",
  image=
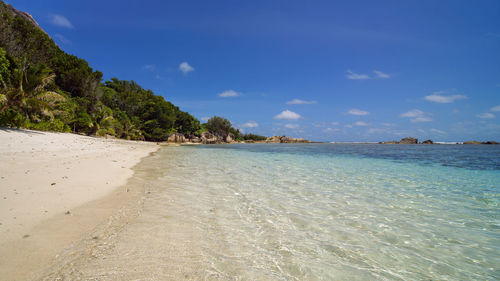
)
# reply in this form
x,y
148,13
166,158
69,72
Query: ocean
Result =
x,y
313,212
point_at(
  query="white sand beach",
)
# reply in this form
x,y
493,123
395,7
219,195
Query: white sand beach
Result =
x,y
48,177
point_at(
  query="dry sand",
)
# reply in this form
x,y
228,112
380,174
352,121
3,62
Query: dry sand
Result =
x,y
56,187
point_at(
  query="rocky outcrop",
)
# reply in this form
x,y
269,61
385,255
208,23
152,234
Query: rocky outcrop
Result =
x,y
478,142
176,137
209,138
274,139
408,140
14,12
472,142
229,138
427,142
205,138
194,139
285,139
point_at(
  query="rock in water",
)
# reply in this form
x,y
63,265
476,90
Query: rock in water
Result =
x,y
427,142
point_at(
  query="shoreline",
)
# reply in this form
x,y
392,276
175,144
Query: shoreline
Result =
x,y
58,187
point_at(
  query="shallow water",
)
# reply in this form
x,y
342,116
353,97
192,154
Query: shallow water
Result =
x,y
313,212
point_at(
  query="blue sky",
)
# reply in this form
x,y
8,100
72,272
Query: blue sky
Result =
x,y
323,70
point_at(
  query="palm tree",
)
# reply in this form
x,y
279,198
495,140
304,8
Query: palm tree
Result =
x,y
29,92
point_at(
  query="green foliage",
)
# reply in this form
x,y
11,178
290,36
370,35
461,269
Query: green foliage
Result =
x,y
253,137
43,88
54,125
82,122
4,68
12,118
219,126
157,117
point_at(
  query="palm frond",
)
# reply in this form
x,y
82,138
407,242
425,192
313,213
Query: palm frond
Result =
x,y
51,97
44,81
3,99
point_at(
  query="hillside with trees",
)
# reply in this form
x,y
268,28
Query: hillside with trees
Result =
x,y
44,88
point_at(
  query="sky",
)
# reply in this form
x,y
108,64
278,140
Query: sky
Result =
x,y
322,70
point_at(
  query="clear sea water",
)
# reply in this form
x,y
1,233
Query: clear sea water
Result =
x,y
342,211
316,212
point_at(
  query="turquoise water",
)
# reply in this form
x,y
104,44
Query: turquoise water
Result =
x,y
308,212
340,212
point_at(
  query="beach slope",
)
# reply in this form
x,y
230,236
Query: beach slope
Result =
x,y
45,178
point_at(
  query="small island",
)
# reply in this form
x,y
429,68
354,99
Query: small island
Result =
x,y
411,140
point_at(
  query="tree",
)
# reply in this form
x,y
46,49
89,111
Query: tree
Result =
x,y
4,68
219,126
29,91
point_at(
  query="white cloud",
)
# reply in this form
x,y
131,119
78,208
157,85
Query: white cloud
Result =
x,y
417,115
287,115
437,97
413,113
205,119
62,39
421,119
381,74
61,21
360,123
291,126
335,123
438,131
298,101
388,124
229,94
486,115
149,67
250,124
185,68
355,76
355,111
348,125
330,130
496,108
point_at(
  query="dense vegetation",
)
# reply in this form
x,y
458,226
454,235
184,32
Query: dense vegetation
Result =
x,y
221,127
43,88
